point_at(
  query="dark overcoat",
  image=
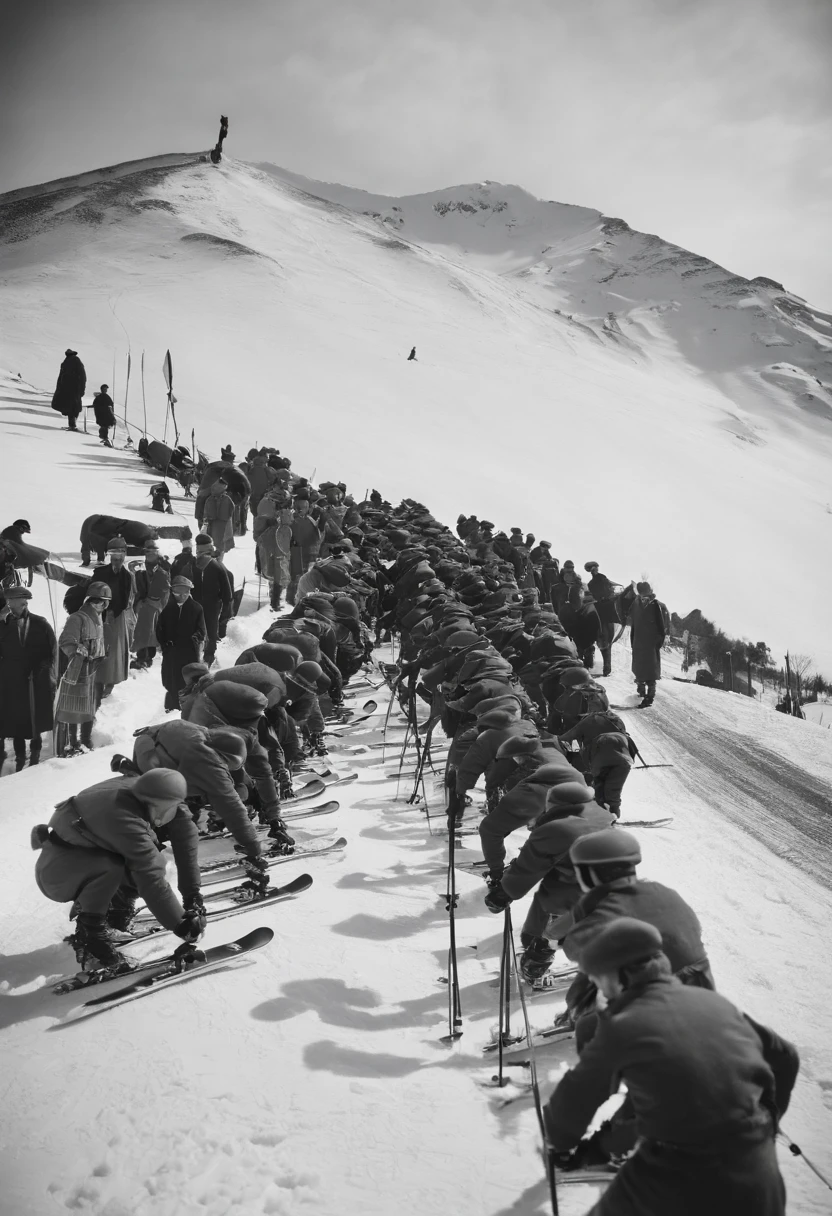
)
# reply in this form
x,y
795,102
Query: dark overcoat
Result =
x,y
72,381
28,675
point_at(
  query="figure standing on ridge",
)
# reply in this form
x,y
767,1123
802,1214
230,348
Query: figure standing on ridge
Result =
x,y
412,355
216,151
72,383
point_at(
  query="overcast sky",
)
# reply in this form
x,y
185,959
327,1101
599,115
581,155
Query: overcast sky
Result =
x,y
708,122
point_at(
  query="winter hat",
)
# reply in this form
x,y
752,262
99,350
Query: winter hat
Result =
x,y
569,565
280,656
321,604
193,672
555,774
621,943
510,701
644,589
237,702
17,593
99,591
162,783
70,352
307,674
230,746
345,609
117,545
255,676
497,719
181,581
518,745
462,639
612,846
590,566
568,793
22,525
204,544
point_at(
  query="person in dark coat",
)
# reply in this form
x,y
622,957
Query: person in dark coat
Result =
x,y
181,633
212,590
101,849
605,867
28,676
582,623
603,593
105,415
72,383
708,1087
649,623
16,530
98,530
544,858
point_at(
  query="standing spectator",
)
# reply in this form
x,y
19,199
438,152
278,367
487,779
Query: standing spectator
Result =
x,y
184,563
69,391
82,643
649,621
152,594
603,592
212,591
105,416
219,516
28,672
180,632
119,619
307,534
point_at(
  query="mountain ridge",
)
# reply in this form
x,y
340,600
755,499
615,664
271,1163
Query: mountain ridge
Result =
x,y
566,365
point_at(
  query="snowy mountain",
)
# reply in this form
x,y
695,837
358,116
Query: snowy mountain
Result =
x,y
595,384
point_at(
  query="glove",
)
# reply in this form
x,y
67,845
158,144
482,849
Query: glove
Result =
x,y
191,927
195,903
284,781
282,841
257,871
496,900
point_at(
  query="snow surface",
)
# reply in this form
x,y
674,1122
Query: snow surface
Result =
x,y
628,400
314,1079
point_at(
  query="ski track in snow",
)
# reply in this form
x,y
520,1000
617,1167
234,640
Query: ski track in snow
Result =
x,y
312,1078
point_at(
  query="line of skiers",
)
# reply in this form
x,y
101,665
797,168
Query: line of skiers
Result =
x,y
490,654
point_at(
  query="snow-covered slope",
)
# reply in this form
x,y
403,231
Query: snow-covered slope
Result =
x,y
313,1079
608,390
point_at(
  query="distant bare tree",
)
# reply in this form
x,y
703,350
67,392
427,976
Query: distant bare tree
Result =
x,y
802,665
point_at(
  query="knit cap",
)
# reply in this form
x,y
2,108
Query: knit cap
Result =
x,y
161,783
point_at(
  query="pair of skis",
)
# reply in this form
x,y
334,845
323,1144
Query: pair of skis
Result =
x,y
161,973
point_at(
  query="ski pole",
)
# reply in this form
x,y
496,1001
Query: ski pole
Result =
x,y
546,1148
797,1151
504,1028
454,1002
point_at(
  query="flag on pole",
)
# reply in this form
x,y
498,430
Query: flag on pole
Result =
x,y
127,387
167,368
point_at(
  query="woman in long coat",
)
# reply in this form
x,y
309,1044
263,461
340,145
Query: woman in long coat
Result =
x,y
152,594
119,620
82,642
218,519
649,622
28,672
272,531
